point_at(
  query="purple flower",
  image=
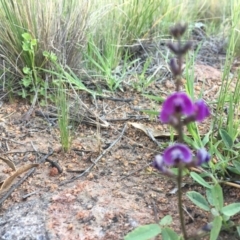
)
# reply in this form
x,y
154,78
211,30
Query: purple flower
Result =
x,y
177,103
176,154
201,110
158,163
202,156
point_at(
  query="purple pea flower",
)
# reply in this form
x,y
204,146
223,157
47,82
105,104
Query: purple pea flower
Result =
x,y
201,110
158,163
178,153
202,156
177,103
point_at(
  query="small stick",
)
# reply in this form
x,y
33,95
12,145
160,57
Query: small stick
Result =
x,y
98,158
8,139
55,164
29,173
27,115
29,194
128,118
155,211
117,99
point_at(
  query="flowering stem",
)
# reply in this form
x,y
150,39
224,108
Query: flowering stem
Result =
x,y
181,216
179,180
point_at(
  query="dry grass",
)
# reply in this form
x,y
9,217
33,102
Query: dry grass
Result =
x,y
58,25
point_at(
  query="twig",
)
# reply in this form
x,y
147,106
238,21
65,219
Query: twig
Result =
x,y
55,164
28,114
8,139
117,99
127,118
98,158
29,173
29,194
155,211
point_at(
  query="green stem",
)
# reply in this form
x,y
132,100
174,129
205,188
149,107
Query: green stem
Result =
x,y
180,210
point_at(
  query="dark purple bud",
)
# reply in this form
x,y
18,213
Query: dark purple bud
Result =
x,y
187,46
178,153
174,67
178,30
174,48
179,50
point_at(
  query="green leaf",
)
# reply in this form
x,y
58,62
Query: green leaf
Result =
x,y
217,196
226,138
200,180
237,165
167,220
198,200
206,138
27,36
184,172
144,232
209,196
234,170
26,82
26,47
215,212
169,234
217,224
231,209
151,112
155,98
34,42
238,230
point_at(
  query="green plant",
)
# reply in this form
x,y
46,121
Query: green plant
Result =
x,y
63,116
30,27
66,75
214,204
152,230
31,82
224,143
179,110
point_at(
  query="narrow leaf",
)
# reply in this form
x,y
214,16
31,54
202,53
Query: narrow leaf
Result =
x,y
199,179
226,138
209,196
144,232
8,182
237,165
198,200
231,209
217,224
217,196
238,231
9,163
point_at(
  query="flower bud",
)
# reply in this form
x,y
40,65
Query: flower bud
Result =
x,y
178,30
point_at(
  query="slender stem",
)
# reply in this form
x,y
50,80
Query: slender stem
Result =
x,y
180,210
179,129
179,180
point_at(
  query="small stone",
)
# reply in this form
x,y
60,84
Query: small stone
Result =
x,y
89,206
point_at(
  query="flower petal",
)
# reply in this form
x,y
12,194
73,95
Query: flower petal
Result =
x,y
201,110
177,153
202,156
158,163
177,103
